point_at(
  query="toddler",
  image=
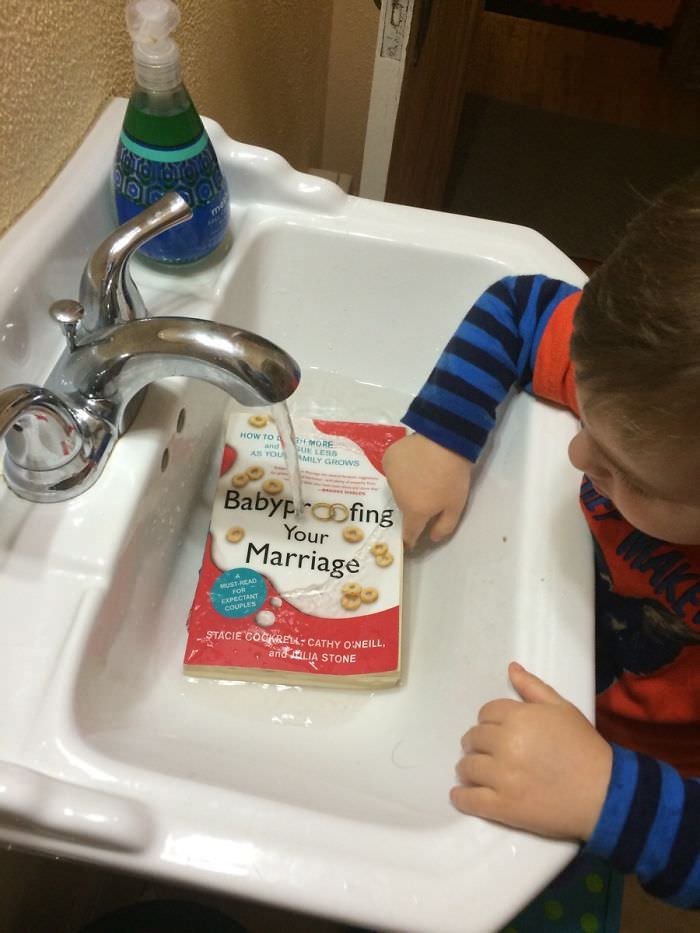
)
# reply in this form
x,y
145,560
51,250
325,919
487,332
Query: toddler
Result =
x,y
624,355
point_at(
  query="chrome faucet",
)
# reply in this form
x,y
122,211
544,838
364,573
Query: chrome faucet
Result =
x,y
59,437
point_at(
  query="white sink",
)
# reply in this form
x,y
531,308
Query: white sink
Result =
x,y
332,802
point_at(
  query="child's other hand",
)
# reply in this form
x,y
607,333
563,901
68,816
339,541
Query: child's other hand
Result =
x,y
537,765
428,482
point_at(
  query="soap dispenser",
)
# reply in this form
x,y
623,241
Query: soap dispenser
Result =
x,y
163,145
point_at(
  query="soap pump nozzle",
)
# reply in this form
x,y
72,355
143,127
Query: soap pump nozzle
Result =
x,y
156,54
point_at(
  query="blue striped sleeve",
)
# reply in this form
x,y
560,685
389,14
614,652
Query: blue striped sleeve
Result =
x,y
650,825
494,348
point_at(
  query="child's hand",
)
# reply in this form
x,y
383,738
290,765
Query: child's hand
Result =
x,y
538,765
428,481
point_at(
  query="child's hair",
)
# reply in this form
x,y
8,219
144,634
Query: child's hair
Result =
x,y
636,341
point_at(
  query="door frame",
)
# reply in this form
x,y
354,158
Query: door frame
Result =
x,y
393,33
416,102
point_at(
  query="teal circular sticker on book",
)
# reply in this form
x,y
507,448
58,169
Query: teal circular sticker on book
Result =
x,y
238,593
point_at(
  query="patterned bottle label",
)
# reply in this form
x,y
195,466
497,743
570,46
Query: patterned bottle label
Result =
x,y
143,174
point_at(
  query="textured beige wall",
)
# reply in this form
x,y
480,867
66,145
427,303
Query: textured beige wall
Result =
x,y
58,70
259,67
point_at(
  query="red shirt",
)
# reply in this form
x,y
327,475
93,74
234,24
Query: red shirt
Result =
x,y
647,603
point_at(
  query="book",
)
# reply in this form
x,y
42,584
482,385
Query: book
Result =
x,y
307,594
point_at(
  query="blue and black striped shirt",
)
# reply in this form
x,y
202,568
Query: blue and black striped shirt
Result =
x,y
650,821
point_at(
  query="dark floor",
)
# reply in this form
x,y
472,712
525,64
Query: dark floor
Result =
x,y
576,181
40,895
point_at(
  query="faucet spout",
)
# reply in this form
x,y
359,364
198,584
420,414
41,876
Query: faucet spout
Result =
x,y
59,438
110,371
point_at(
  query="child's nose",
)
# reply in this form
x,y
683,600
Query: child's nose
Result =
x,y
583,456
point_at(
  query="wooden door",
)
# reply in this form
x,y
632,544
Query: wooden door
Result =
x,y
455,48
432,96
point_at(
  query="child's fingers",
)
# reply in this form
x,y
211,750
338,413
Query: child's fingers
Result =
x,y
413,525
530,687
444,524
476,770
481,738
475,801
496,711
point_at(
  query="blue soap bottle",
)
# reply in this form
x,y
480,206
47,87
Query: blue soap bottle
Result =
x,y
163,145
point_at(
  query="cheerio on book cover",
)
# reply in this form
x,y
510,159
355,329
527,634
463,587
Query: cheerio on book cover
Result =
x,y
311,598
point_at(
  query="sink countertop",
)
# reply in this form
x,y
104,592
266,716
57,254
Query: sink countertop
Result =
x,y
107,752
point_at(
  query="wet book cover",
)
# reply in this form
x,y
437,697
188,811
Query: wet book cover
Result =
x,y
308,594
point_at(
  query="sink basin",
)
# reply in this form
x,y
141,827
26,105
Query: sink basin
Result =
x,y
328,801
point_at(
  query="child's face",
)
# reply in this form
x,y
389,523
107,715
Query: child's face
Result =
x,y
656,491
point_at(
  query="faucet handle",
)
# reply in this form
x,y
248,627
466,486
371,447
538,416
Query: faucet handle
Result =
x,y
107,290
68,314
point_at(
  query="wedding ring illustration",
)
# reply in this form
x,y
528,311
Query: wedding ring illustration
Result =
x,y
330,512
323,511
